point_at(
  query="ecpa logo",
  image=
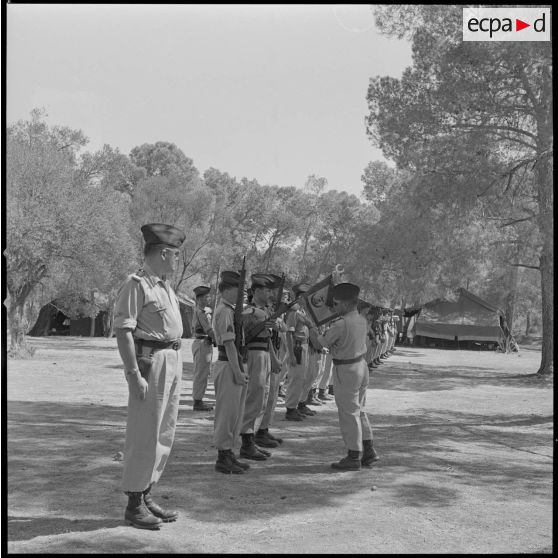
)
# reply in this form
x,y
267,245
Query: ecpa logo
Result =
x,y
506,24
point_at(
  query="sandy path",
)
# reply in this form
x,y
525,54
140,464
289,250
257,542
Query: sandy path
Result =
x,y
466,463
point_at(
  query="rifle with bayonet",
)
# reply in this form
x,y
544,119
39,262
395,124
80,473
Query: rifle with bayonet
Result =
x,y
238,330
255,330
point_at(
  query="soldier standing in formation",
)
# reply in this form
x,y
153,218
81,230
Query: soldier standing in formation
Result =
x,y
230,378
148,330
297,347
278,340
202,348
262,360
346,339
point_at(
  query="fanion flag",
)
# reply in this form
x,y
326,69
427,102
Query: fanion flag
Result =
x,y
319,301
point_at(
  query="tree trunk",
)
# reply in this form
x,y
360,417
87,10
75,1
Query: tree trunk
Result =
x,y
92,326
545,222
527,323
17,326
547,283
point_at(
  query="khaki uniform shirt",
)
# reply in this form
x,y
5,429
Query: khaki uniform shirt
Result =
x,y
346,337
148,305
200,322
259,314
223,322
296,322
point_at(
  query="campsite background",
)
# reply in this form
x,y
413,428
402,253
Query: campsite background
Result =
x,y
463,201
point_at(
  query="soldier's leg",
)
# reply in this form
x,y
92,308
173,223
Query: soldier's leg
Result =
x,y
311,375
202,352
310,361
346,382
295,386
229,403
369,454
326,379
267,418
258,369
151,423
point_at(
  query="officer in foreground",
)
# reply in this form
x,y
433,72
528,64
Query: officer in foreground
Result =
x,y
148,330
346,340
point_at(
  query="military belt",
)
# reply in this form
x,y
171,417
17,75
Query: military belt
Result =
x,y
202,336
338,361
157,345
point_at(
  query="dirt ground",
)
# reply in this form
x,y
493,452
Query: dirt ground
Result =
x,y
466,456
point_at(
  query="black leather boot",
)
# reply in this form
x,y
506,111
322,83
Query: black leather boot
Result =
x,y
293,414
349,463
330,390
369,454
262,439
226,465
165,515
138,515
312,399
199,405
323,396
304,410
243,466
249,450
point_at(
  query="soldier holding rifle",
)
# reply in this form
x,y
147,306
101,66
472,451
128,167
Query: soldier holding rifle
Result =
x,y
261,361
278,341
230,377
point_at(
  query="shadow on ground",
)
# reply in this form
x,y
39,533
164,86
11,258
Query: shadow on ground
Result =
x,y
404,376
63,476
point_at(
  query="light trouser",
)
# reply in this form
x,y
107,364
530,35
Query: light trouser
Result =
x,y
259,370
202,352
321,370
326,376
151,423
395,335
267,417
384,345
295,384
229,407
372,347
312,372
350,382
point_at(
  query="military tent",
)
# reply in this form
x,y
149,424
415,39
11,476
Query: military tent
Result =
x,y
464,317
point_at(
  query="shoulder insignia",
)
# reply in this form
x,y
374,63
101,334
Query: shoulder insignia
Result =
x,y
138,275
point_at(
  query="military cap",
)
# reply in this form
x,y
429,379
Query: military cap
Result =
x,y
231,278
159,233
201,290
262,280
301,287
345,291
276,280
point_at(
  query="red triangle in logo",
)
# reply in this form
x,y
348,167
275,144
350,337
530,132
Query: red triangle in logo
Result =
x,y
519,25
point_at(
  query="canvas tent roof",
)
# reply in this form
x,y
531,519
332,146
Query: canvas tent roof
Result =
x,y
466,316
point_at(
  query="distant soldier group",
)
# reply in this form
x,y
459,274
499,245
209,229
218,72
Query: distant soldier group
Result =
x,y
382,335
268,347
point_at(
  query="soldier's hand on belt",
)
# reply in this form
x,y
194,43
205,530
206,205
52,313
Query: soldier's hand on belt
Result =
x,y
137,386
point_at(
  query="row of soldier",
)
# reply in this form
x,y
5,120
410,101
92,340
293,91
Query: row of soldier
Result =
x,y
259,344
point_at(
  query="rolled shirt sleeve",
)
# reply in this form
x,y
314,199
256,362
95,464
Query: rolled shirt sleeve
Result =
x,y
128,305
223,324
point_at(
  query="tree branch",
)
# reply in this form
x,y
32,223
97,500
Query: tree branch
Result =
x,y
527,266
